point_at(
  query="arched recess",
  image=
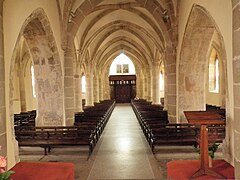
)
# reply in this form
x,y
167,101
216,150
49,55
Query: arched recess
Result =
x,y
217,98
194,58
38,35
23,91
201,34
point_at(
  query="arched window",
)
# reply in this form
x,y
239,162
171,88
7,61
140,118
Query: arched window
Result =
x,y
122,65
83,84
161,81
33,82
214,74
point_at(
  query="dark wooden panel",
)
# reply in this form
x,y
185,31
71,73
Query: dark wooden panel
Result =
x,y
123,93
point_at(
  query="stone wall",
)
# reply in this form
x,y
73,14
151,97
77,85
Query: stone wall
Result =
x,y
47,69
236,83
3,142
192,65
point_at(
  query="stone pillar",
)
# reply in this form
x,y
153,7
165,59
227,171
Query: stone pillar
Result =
x,y
89,89
236,84
3,133
149,86
170,74
145,86
68,86
96,88
100,89
48,73
165,93
22,91
106,88
155,85
142,87
78,93
139,87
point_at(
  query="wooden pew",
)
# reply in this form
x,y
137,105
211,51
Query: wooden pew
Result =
x,y
25,118
217,109
48,137
158,132
85,132
183,134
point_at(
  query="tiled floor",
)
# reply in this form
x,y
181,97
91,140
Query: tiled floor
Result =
x,y
121,153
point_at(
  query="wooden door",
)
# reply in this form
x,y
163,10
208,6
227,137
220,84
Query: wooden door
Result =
x,y
123,93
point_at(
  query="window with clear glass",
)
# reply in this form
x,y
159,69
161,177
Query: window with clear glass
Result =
x,y
214,75
83,84
161,83
33,82
122,65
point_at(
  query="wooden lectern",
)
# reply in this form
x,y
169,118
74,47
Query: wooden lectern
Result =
x,y
204,118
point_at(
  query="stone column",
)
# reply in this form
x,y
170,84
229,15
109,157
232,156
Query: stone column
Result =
x,y
3,133
145,80
89,89
139,86
106,88
155,84
100,89
69,86
149,86
22,91
165,93
236,85
96,88
78,93
170,74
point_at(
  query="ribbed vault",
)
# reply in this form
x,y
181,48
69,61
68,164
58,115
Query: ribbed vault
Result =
x,y
96,31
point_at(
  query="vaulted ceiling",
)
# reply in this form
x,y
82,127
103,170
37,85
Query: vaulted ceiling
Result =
x,y
102,29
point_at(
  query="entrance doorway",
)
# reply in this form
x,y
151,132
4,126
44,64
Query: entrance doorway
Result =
x,y
123,88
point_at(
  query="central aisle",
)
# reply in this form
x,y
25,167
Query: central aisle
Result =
x,y
123,152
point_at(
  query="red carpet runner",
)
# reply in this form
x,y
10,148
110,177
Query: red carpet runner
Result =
x,y
43,171
183,169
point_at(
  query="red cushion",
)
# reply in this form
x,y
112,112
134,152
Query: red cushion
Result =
x,y
43,170
184,169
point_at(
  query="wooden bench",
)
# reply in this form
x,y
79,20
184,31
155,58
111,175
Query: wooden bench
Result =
x,y
173,134
218,109
48,137
25,118
86,131
158,132
183,134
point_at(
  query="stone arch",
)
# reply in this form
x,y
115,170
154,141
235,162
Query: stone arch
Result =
x,y
220,51
193,62
126,26
167,26
39,37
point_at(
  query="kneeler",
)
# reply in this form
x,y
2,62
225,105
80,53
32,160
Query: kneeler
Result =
x,y
43,171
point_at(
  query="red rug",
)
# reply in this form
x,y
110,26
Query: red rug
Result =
x,y
43,171
183,169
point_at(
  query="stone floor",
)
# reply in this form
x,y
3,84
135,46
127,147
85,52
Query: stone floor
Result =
x,y
121,153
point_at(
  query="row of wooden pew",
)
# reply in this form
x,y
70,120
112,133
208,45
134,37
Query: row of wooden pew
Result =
x,y
158,132
25,118
85,132
218,109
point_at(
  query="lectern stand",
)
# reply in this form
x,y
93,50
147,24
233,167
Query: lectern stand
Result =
x,y
204,118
